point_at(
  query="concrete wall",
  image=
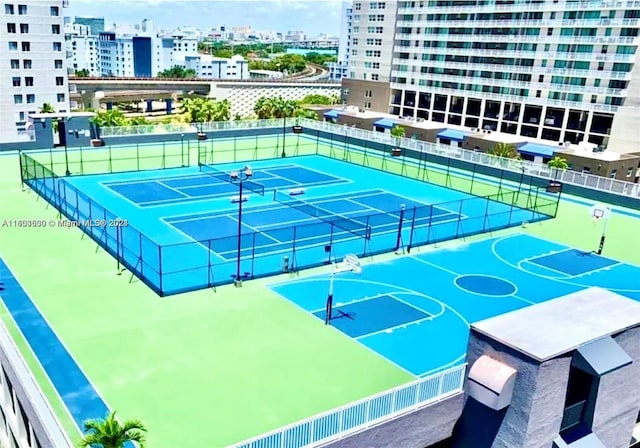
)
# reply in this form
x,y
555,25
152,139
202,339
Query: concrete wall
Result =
x,y
243,96
618,403
603,167
533,419
418,429
379,98
624,133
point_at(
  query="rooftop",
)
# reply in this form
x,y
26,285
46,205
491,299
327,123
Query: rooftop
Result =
x,y
561,325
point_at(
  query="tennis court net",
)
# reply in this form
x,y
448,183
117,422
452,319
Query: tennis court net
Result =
x,y
226,177
352,225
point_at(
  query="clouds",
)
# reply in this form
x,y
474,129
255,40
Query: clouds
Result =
x,y
312,16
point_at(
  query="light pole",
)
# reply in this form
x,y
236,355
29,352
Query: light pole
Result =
x,y
284,133
240,177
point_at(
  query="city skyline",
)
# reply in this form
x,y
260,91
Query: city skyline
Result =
x,y
276,15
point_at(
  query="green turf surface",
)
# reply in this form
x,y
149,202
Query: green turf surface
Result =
x,y
205,368
200,369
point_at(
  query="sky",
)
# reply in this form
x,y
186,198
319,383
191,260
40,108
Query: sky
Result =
x,y
311,16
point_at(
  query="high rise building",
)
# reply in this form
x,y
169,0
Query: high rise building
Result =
x,y
33,67
558,70
95,24
373,24
340,68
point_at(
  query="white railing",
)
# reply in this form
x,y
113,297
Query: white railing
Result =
x,y
591,181
346,420
55,435
177,128
173,128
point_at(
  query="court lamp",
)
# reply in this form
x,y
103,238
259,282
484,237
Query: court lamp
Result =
x,y
239,177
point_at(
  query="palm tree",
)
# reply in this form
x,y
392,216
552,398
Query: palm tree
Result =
x,y
110,433
398,132
506,150
559,163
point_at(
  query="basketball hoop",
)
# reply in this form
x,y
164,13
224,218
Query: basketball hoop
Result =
x,y
600,212
350,263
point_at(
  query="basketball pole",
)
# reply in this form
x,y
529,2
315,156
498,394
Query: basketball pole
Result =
x,y
603,236
329,307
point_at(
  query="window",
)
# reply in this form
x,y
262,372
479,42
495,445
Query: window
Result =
x,y
55,29
60,97
24,28
16,81
374,77
55,11
358,6
368,93
17,99
11,28
28,81
28,64
15,63
354,52
356,18
356,29
629,174
355,41
31,98
613,174
367,105
26,46
13,46
22,10
59,81
57,46
8,9
376,65
57,63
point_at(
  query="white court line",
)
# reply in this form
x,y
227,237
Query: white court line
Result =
x,y
456,274
444,366
540,266
253,229
515,266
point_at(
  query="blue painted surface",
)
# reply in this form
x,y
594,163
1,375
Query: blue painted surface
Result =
x,y
75,389
535,149
487,285
350,213
429,282
573,262
369,316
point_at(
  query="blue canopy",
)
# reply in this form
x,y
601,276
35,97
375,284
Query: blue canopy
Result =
x,y
533,149
452,134
386,123
332,114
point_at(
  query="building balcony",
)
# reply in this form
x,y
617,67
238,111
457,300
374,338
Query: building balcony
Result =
x,y
519,23
584,5
605,75
539,55
511,98
511,83
603,40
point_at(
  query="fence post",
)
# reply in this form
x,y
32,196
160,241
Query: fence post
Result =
x,y
459,218
141,256
160,274
399,236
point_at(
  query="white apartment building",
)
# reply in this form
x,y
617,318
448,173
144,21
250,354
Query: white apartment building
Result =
x,y
207,66
371,49
82,49
32,63
184,44
558,70
134,54
340,68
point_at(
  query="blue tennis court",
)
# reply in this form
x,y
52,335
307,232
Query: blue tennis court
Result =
x,y
416,310
182,225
